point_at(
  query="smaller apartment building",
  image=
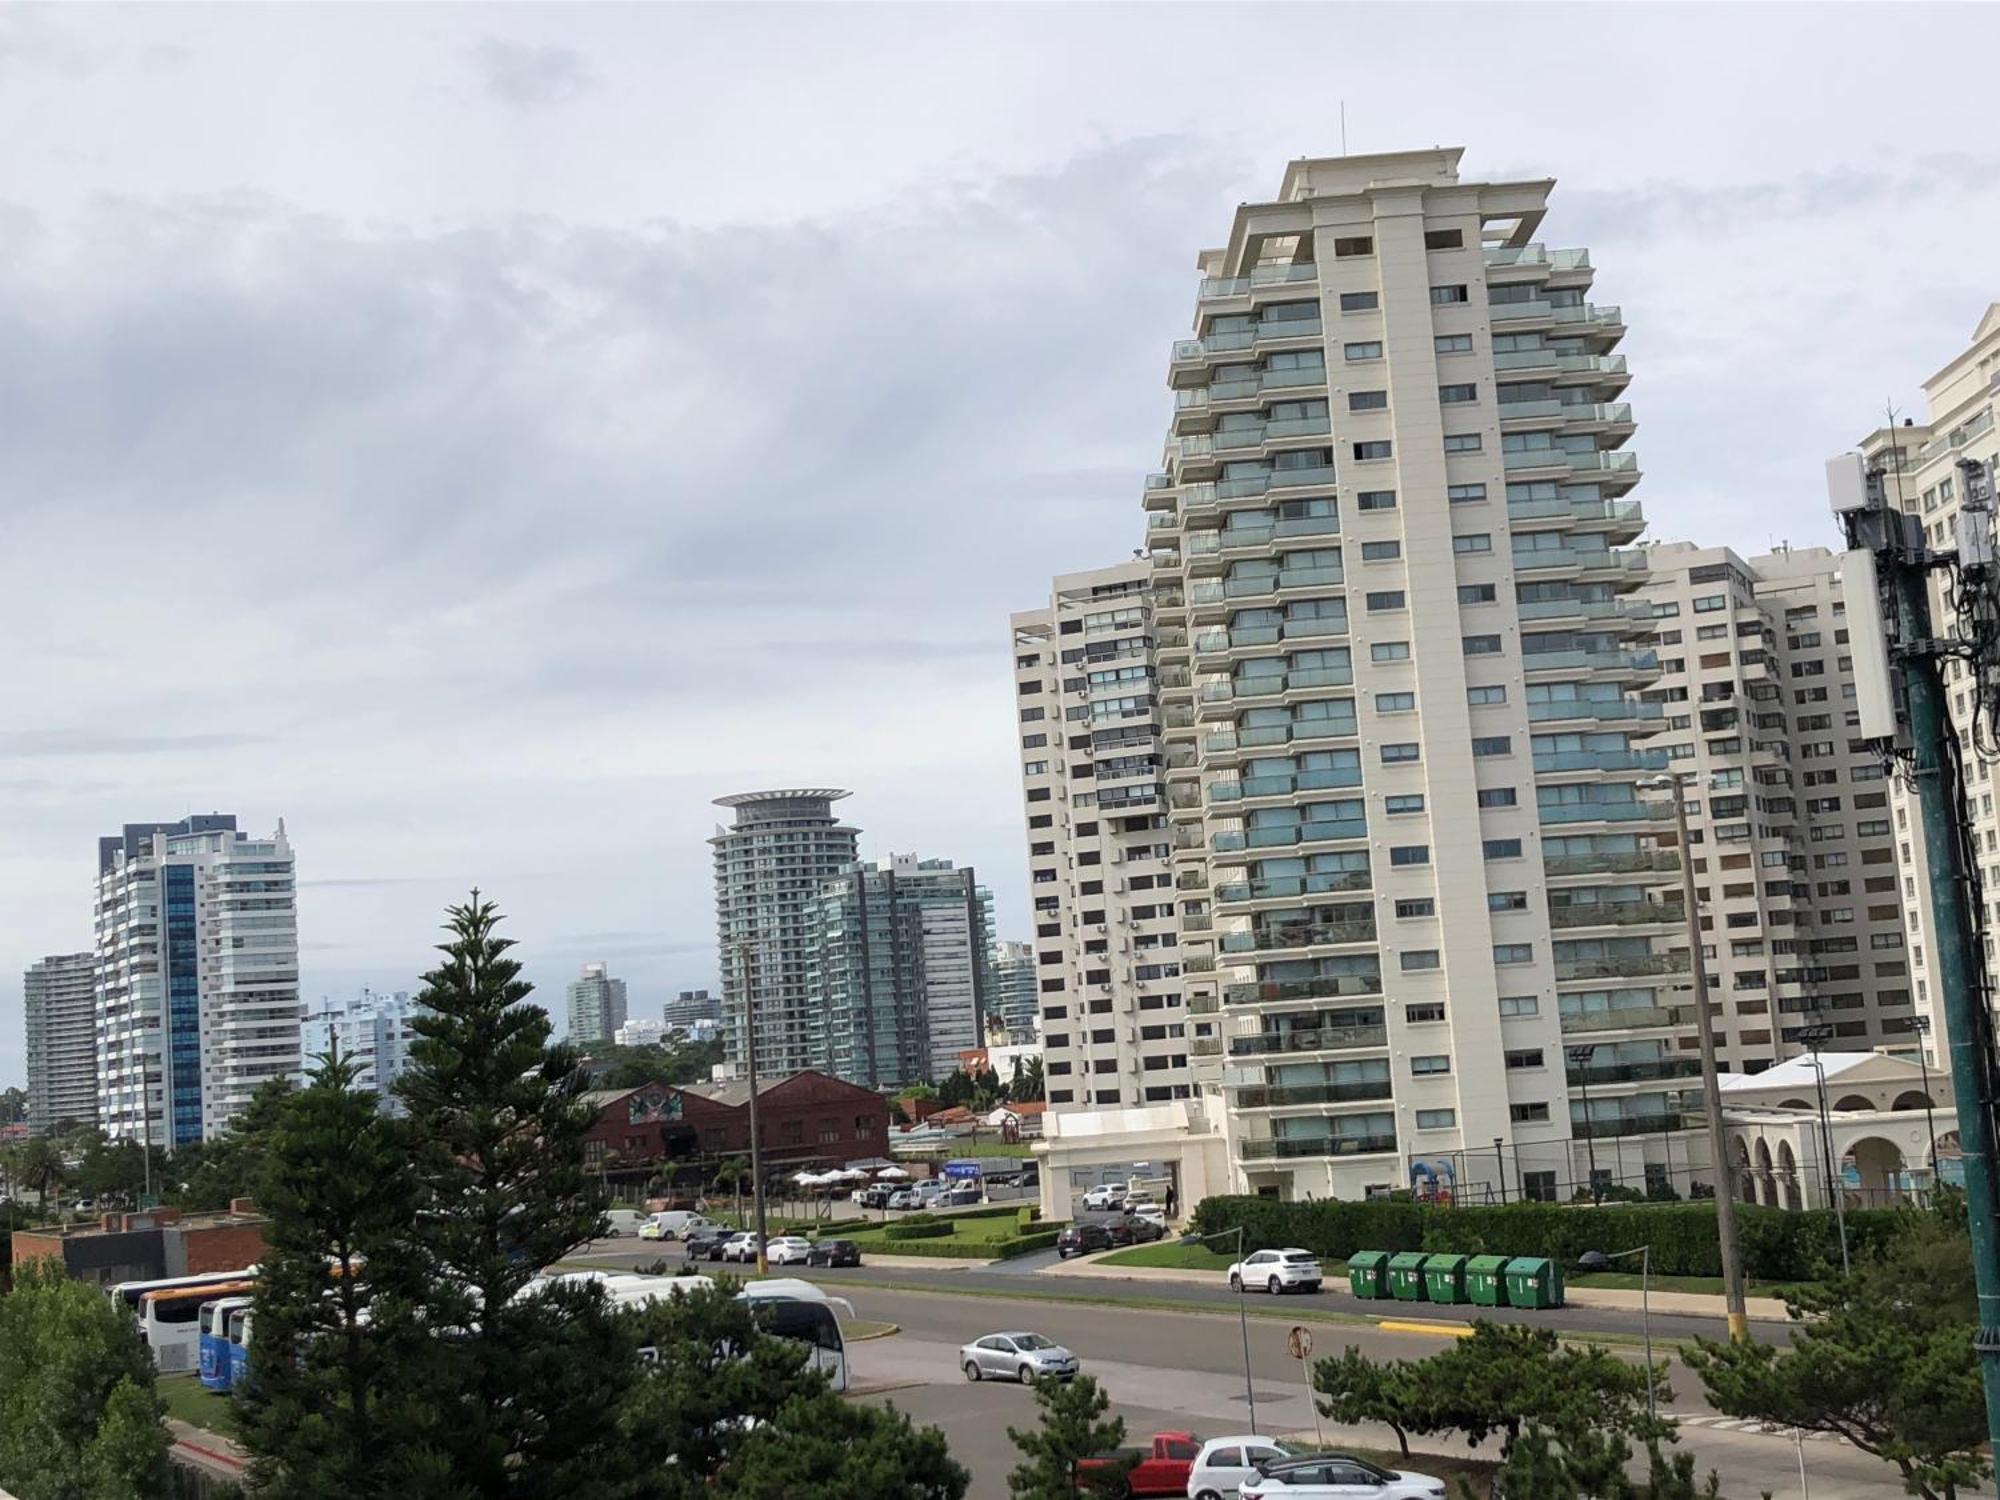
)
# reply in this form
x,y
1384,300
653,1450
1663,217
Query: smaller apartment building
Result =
x,y
1791,830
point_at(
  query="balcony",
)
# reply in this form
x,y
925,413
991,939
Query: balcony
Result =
x,y
1624,1125
1327,987
1629,966
1213,287
1617,914
1587,559
1608,709
1273,684
1325,831
1640,862
1274,479
1303,936
1203,1005
1637,611
1233,538
1332,1145
1625,512
1308,1039
1551,762
1603,812
1281,1096
1279,786
1651,1071
1537,255
1623,1018
1270,887
1645,662
1255,435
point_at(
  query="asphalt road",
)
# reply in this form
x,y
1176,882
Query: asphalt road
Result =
x,y
1175,1370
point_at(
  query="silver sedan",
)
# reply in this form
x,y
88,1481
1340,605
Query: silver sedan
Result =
x,y
1025,1357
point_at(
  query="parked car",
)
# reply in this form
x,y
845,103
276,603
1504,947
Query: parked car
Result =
x,y
1120,1231
1151,1212
1277,1271
678,1223
786,1250
1134,1203
706,1243
1108,1195
740,1247
1082,1239
1336,1476
966,1195
1144,1230
1159,1468
876,1195
623,1221
1225,1463
906,1198
1025,1357
834,1253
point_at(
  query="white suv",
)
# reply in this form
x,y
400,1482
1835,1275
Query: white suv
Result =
x,y
1277,1271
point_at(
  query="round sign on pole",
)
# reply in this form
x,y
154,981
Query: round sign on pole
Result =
x,y
1301,1342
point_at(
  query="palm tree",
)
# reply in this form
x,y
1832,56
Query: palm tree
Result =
x,y
41,1168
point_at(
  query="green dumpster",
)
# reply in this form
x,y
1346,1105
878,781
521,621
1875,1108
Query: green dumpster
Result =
x,y
1444,1278
1368,1274
1534,1282
1482,1280
1406,1276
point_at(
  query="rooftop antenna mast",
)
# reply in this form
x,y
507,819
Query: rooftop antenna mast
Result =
x,y
1343,127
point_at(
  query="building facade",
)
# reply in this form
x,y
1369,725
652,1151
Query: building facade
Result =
x,y
60,1006
596,1007
902,969
373,1031
771,864
805,1119
1921,460
197,998
640,1031
1792,836
1400,655
690,1006
1015,1013
1102,886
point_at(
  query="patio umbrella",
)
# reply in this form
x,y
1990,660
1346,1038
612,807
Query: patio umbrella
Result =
x,y
808,1179
892,1174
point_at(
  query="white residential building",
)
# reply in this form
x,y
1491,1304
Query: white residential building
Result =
x,y
197,976
1015,1015
641,1031
596,1007
771,865
373,1031
1794,844
1399,665
60,1009
1922,477
1107,942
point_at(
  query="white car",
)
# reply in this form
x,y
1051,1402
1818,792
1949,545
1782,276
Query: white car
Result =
x,y
906,1198
1224,1463
623,1221
1277,1271
1335,1476
1026,1357
741,1246
1110,1195
787,1250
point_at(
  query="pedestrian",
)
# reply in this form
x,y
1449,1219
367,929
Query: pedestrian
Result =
x,y
1171,1202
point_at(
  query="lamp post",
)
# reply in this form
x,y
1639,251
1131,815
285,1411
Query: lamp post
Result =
x,y
1580,1057
1500,1161
1645,1254
756,1133
1923,1026
1242,1315
1718,1152
1815,1034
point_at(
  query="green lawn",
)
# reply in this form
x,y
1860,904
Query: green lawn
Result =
x,y
190,1402
985,1230
959,1149
1628,1281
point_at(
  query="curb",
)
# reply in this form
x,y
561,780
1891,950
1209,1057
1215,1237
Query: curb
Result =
x,y
887,1330
1438,1330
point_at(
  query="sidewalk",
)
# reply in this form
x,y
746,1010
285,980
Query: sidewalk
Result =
x,y
1692,1304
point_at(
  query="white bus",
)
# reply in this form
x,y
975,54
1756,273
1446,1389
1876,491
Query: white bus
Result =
x,y
170,1321
129,1292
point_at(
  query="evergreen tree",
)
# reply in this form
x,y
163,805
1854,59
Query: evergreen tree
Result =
x,y
1072,1429
41,1168
523,1399
208,1174
78,1416
321,1415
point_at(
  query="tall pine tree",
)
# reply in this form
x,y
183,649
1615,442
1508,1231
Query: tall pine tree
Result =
x,y
323,1414
521,1397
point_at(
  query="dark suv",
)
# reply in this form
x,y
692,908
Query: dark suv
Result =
x,y
1082,1239
706,1243
834,1253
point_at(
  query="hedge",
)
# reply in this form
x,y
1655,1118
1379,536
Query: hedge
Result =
x,y
1777,1245
916,1229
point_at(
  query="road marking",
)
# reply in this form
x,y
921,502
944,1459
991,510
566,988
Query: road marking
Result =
x,y
1439,1330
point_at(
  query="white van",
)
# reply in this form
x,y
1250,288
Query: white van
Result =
x,y
676,1224
622,1221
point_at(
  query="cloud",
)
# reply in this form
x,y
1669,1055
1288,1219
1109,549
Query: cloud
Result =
x,y
28,743
530,77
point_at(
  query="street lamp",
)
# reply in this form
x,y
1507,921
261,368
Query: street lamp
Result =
x,y
745,980
1645,1254
1580,1057
1725,1203
1242,1315
1815,1034
1923,1026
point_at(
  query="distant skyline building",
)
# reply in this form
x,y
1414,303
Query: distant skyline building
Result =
x,y
771,865
60,995
596,1006
640,1031
1015,1003
197,985
372,1030
690,1006
901,969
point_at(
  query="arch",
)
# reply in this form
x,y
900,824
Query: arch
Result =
x,y
1767,1188
1879,1165
1788,1176
1857,1102
1914,1099
1795,1104
1746,1183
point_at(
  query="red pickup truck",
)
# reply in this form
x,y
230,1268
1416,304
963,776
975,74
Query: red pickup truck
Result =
x,y
1161,1469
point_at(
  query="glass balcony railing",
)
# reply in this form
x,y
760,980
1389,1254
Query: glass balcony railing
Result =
x,y
1624,1125
1281,1096
1236,286
1308,1039
1645,1071
1622,1018
1588,609
1321,883
1274,479
1537,255
1310,935
1234,340
1332,1145
1628,966
1271,684
1591,661
1604,812
1279,786
1609,709
1642,862
1284,838
1547,761
1617,914
1265,432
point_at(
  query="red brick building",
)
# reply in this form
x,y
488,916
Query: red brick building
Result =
x,y
147,1246
807,1119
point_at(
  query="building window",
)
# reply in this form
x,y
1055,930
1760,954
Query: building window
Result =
x,y
1481,645
1359,301
1389,651
1472,541
1493,744
1402,856
1432,1064
1381,551
1513,953
1498,796
1502,848
1463,442
1418,959
1368,401
1375,500
1479,695
1442,296
1506,900
1453,343
1365,349
1516,1006
1436,1119
1529,1114
1444,239
1524,1057
1386,599
1352,246
1461,494
1419,906
1395,703
1424,1012
1401,752
1451,395
1368,452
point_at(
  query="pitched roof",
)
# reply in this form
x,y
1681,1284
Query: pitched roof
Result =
x,y
1799,1073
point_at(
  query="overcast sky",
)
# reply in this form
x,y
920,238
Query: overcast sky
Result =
x,y
482,435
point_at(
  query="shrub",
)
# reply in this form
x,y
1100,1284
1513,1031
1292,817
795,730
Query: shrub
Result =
x,y
918,1229
1777,1245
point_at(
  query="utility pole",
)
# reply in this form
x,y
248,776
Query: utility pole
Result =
x,y
756,1134
1580,1056
1711,1088
1923,1026
1900,697
1815,1035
